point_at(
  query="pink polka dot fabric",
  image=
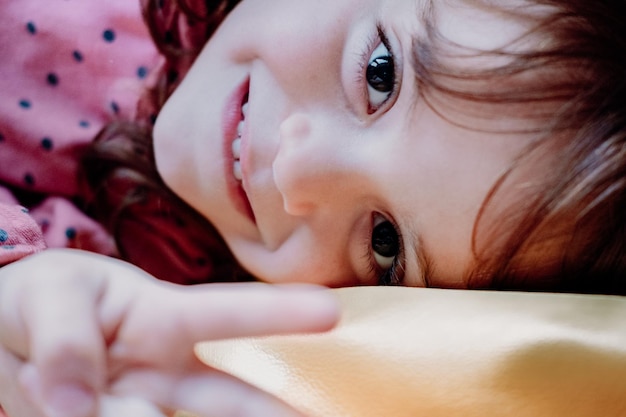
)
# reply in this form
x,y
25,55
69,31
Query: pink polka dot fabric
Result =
x,y
19,234
66,69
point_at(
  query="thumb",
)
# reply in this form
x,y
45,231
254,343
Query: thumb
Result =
x,y
67,352
56,398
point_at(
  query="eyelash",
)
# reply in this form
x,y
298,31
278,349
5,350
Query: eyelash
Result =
x,y
392,276
364,58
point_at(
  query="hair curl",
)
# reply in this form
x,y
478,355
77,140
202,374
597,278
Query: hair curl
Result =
x,y
123,188
564,230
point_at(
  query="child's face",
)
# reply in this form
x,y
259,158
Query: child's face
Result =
x,y
345,170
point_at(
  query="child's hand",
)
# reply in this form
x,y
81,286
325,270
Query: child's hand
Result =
x,y
85,335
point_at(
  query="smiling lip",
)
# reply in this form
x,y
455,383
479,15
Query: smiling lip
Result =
x,y
230,119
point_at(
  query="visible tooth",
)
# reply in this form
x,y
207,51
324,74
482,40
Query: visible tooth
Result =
x,y
244,109
240,129
237,148
237,170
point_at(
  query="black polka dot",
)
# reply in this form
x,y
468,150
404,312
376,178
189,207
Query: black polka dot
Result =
x,y
84,124
70,233
29,179
115,107
161,4
201,262
25,104
1,137
4,235
47,144
31,28
142,72
153,118
108,35
52,79
78,56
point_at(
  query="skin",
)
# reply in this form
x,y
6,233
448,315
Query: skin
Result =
x,y
126,343
322,166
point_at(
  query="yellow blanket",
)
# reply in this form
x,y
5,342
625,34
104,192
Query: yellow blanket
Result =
x,y
424,352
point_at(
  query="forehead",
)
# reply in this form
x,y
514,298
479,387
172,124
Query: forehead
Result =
x,y
472,127
482,25
477,62
470,28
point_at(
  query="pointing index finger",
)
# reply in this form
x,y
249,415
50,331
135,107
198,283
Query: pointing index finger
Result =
x,y
171,319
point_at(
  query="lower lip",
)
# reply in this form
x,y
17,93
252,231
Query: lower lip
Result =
x,y
230,119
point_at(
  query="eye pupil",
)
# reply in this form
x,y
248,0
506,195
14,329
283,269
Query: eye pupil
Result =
x,y
385,240
380,74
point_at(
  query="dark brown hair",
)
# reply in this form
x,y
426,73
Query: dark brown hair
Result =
x,y
565,232
564,229
153,228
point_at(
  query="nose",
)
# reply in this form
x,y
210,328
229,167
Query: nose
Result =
x,y
317,165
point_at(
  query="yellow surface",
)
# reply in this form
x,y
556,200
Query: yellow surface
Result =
x,y
423,352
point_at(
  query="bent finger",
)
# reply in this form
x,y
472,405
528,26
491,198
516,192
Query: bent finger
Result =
x,y
216,394
15,397
67,347
203,393
9,369
111,406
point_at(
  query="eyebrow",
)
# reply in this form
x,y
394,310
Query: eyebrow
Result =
x,y
420,57
422,54
424,264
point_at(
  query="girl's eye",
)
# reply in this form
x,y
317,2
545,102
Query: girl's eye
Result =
x,y
385,244
380,75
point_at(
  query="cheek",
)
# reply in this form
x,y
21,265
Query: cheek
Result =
x,y
177,135
298,261
173,157
165,152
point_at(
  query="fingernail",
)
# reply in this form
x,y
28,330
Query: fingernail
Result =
x,y
69,400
